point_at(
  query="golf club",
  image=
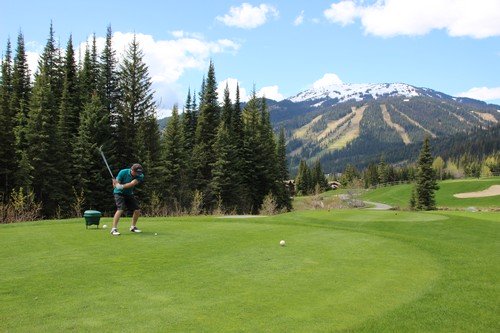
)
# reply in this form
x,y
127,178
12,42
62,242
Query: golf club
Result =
x,y
105,161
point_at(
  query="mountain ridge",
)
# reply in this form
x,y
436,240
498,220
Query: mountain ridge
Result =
x,y
323,121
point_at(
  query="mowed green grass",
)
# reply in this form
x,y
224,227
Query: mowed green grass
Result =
x,y
399,195
349,270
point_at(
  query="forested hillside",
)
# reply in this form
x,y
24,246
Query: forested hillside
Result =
x,y
357,131
211,157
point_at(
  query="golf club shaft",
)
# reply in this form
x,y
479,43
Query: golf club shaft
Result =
x,y
105,161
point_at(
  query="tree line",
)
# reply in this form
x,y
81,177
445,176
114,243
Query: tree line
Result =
x,y
212,156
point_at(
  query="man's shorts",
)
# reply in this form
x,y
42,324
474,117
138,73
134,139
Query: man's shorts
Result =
x,y
126,202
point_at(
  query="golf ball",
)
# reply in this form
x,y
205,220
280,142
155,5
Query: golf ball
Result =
x,y
282,243
156,234
104,226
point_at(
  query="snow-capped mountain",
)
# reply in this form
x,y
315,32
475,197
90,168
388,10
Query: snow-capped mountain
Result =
x,y
356,123
356,92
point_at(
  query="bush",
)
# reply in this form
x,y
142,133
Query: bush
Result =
x,y
269,206
20,207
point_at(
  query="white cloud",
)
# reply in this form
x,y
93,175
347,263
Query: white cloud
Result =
x,y
167,60
299,19
247,16
343,12
387,18
32,59
271,92
162,113
231,84
482,93
327,80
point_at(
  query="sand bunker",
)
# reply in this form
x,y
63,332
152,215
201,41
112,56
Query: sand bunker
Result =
x,y
490,192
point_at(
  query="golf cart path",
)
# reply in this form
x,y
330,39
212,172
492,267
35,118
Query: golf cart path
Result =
x,y
378,205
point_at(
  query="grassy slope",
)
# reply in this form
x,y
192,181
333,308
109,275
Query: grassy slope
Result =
x,y
341,270
399,195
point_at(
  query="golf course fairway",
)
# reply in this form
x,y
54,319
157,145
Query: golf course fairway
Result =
x,y
349,270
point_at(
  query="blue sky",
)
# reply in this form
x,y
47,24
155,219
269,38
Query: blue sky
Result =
x,y
283,47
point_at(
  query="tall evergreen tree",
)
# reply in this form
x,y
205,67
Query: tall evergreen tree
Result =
x,y
426,183
21,92
371,176
303,179
252,168
318,177
69,115
189,135
110,93
89,74
189,124
206,130
149,155
226,183
43,141
282,162
93,178
136,103
268,143
383,171
282,194
174,176
7,119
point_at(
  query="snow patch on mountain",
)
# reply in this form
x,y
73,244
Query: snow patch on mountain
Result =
x,y
356,91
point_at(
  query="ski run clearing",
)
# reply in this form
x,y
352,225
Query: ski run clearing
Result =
x,y
401,131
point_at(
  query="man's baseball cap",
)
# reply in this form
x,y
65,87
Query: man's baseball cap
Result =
x,y
137,168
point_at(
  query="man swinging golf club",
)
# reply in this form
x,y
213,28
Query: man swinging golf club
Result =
x,y
123,191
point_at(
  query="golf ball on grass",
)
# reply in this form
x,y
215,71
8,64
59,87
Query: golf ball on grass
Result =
x,y
104,226
156,234
282,243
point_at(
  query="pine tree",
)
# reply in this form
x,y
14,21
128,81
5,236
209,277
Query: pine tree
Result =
x,y
89,74
148,152
283,194
303,180
383,172
21,92
283,174
226,181
43,141
91,173
189,124
268,158
426,180
69,114
7,119
252,166
136,103
206,130
174,175
371,176
318,177
110,94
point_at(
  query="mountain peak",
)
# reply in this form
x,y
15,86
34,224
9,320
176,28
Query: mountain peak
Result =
x,y
343,92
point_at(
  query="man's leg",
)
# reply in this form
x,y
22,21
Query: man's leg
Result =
x,y
116,218
135,217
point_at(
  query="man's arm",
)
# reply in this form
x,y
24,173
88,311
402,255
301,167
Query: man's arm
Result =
x,y
125,186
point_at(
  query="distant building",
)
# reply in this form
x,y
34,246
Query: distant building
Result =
x,y
334,185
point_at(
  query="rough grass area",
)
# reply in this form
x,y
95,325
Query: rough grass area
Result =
x,y
343,270
399,195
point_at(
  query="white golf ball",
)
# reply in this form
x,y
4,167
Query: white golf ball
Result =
x,y
104,226
156,234
282,243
